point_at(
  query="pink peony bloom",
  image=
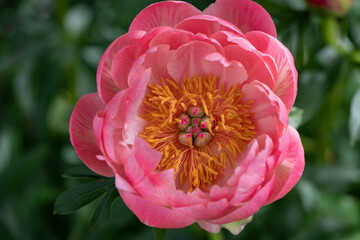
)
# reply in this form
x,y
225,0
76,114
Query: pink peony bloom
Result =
x,y
191,115
337,7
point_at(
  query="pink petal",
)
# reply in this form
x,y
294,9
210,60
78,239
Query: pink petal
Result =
x,y
147,157
259,67
267,109
121,66
250,207
82,135
187,60
213,228
207,25
213,210
245,14
291,169
174,38
106,86
123,184
286,84
154,215
229,73
167,13
251,180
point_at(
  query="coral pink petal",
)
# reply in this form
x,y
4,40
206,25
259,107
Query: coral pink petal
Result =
x,y
229,73
133,123
154,215
250,207
291,169
245,14
259,67
147,157
250,181
167,13
286,85
207,25
106,86
121,66
82,136
213,210
123,184
267,108
112,127
187,60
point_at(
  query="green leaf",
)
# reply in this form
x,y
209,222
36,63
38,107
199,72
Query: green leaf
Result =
x,y
78,196
81,172
354,122
160,233
295,117
102,212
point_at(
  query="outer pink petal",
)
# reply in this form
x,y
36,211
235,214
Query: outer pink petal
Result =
x,y
106,86
207,25
245,14
147,157
154,215
249,208
82,135
187,60
291,169
286,84
167,13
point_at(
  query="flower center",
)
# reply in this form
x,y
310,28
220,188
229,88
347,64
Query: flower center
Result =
x,y
199,126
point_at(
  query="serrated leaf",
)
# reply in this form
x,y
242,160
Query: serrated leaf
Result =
x,y
354,121
160,233
78,196
81,172
295,117
102,212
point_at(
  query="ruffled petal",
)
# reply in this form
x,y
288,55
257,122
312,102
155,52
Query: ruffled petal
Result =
x,y
167,13
286,84
291,169
207,25
154,215
245,14
82,136
259,67
106,86
187,60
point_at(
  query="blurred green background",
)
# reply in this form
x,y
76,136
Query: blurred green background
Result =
x,y
49,51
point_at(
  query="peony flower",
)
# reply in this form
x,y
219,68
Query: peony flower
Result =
x,y
337,7
191,115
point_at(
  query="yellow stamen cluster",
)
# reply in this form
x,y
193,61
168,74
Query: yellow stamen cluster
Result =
x,y
231,126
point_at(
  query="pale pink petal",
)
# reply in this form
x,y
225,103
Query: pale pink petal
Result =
x,y
187,60
207,25
236,227
229,73
154,215
291,169
106,86
259,67
82,136
250,207
245,14
286,84
167,13
213,228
